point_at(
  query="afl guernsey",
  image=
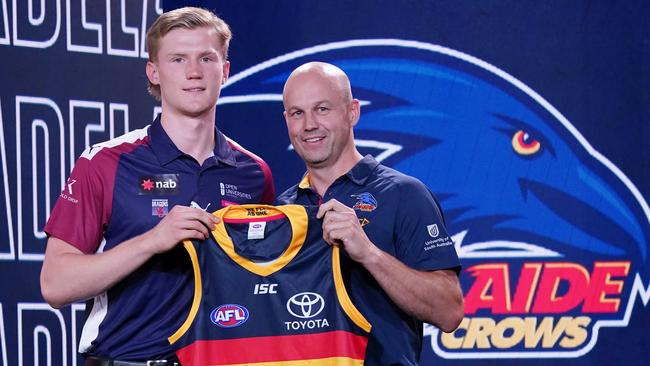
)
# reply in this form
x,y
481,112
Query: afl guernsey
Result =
x,y
269,291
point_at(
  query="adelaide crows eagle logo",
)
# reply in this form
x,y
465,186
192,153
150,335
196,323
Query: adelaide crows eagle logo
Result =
x,y
553,236
365,202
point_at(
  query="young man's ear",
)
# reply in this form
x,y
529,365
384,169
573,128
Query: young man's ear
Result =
x,y
225,72
152,73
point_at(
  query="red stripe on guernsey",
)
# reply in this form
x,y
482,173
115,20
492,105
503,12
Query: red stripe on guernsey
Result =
x,y
269,189
252,219
274,349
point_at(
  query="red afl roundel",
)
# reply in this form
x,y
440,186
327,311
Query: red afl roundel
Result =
x,y
229,315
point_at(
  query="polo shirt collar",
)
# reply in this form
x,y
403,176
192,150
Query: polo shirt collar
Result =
x,y
165,150
359,173
222,150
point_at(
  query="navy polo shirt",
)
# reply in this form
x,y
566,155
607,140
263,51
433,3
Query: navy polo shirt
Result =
x,y
124,187
403,218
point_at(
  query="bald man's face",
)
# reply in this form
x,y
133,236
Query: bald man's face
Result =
x,y
319,118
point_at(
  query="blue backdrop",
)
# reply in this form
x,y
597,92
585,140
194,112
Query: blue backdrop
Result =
x,y
529,121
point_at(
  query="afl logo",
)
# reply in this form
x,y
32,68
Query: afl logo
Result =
x,y
229,315
305,305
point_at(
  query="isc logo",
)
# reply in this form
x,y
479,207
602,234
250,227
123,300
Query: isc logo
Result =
x,y
229,315
265,288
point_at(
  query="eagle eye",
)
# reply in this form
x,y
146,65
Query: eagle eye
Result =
x,y
524,144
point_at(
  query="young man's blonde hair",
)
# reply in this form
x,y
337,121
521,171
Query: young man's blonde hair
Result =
x,y
186,18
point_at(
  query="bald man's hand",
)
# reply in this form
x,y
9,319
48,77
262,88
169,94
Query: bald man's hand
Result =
x,y
341,227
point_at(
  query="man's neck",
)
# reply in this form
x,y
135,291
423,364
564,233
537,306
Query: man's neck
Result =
x,y
192,136
321,178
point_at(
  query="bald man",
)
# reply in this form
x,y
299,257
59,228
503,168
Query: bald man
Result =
x,y
402,268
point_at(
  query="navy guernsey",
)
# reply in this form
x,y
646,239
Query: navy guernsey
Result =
x,y
269,291
403,218
122,188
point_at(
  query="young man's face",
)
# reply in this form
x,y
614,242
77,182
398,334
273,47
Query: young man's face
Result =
x,y
190,71
319,120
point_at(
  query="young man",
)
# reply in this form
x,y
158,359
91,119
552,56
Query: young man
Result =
x,y
381,218
114,233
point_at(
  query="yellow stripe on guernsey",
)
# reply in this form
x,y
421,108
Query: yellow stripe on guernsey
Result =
x,y
297,218
344,299
304,182
330,361
197,293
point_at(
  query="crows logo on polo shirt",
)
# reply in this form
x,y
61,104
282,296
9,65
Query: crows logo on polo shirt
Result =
x,y
161,184
365,202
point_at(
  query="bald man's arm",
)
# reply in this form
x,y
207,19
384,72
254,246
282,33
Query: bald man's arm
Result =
x,y
434,297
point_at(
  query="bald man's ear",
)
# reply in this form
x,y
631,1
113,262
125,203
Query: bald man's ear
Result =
x,y
354,111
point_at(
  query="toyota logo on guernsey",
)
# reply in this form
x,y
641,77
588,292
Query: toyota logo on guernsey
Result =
x,y
305,305
229,315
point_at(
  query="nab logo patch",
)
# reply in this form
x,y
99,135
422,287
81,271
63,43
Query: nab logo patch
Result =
x,y
365,202
229,315
162,184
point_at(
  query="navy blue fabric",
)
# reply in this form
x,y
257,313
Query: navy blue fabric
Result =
x,y
309,275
